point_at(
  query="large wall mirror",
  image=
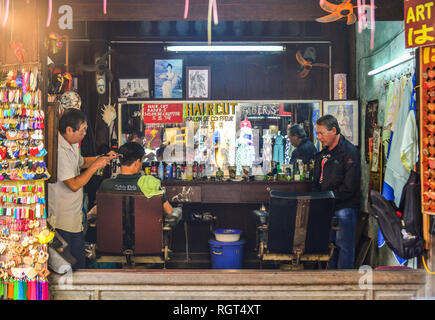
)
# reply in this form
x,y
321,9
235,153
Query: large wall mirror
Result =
x,y
219,134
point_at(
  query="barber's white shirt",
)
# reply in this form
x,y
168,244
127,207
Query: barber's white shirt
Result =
x,y
65,205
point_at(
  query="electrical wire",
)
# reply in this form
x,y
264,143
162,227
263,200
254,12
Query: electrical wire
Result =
x,y
425,266
375,52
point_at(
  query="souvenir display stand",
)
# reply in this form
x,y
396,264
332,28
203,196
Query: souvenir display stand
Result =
x,y
24,231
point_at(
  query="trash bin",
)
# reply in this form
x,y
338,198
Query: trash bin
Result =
x,y
226,255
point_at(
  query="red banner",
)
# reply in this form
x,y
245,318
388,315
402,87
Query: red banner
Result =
x,y
419,23
163,113
427,128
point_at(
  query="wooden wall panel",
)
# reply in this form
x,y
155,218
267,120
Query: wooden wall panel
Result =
x,y
235,76
22,27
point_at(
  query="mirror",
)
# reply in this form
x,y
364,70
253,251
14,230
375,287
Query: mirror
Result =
x,y
218,134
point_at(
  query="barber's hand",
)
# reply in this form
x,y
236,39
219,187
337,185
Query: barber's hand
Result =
x,y
112,155
101,162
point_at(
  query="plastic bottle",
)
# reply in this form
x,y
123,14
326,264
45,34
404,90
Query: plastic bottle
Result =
x,y
312,170
177,171
301,168
195,170
219,175
188,171
161,171
307,175
183,171
202,170
154,169
288,174
147,168
296,173
170,171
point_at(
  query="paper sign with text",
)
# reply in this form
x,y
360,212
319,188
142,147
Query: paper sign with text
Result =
x,y
163,113
419,23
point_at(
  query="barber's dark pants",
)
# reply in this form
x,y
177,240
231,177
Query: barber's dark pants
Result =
x,y
344,239
76,246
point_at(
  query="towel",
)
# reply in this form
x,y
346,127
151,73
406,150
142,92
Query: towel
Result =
x,y
150,186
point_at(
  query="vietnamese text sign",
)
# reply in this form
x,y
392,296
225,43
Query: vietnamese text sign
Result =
x,y
419,23
163,113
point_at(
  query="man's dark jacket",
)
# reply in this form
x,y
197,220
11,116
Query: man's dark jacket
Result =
x,y
341,174
305,151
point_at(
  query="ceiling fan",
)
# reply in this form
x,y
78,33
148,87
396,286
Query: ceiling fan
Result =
x,y
102,70
306,62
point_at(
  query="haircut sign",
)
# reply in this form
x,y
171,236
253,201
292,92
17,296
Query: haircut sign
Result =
x,y
218,111
419,23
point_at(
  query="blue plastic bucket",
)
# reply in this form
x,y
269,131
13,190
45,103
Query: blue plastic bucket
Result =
x,y
226,255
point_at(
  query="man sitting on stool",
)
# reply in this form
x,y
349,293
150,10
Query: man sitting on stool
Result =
x,y
130,180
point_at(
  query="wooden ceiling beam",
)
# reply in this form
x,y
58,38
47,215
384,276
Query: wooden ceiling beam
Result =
x,y
228,10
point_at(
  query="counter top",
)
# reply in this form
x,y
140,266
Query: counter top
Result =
x,y
201,191
170,182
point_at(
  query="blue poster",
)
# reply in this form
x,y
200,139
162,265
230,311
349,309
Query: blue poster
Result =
x,y
168,76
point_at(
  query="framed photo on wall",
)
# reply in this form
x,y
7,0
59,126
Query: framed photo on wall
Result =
x,y
347,115
198,82
168,76
134,88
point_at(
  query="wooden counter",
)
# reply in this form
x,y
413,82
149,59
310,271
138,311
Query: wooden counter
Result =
x,y
138,284
198,191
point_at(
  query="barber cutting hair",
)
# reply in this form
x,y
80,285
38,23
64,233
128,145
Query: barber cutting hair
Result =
x,y
65,197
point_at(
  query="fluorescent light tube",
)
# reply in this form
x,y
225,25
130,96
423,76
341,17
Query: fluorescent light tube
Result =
x,y
227,48
405,57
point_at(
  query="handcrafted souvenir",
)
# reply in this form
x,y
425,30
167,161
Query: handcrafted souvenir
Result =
x,y
54,42
18,51
70,99
3,247
45,236
44,273
21,199
109,114
28,260
12,135
42,257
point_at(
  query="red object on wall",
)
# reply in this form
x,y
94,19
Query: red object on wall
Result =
x,y
419,23
163,113
427,129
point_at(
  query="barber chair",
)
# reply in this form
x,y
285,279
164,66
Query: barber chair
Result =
x,y
132,228
296,229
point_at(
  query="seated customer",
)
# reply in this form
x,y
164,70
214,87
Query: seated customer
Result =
x,y
140,138
305,149
130,179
